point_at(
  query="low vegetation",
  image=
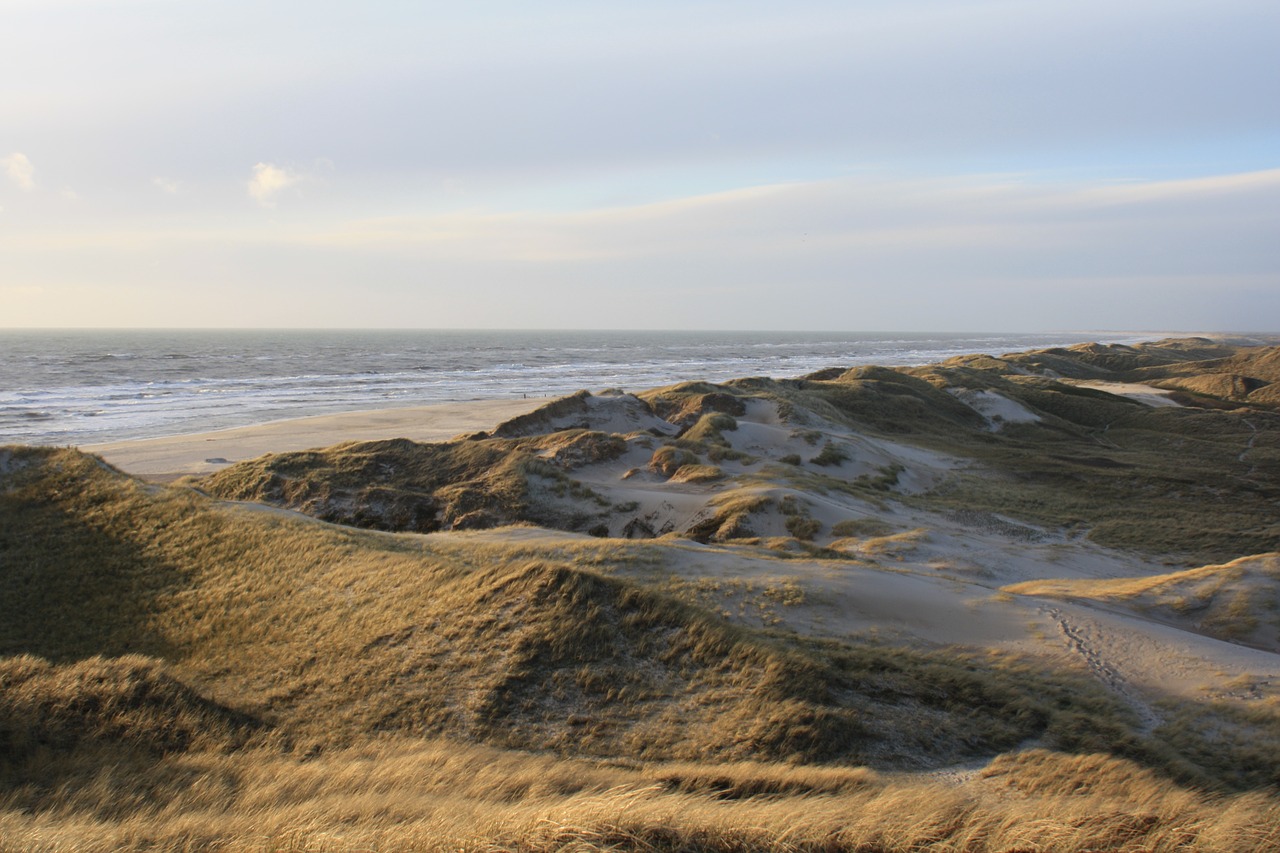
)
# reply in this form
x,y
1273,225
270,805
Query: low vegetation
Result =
x,y
330,635
446,796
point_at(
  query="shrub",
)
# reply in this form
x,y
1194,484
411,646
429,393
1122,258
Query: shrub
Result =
x,y
861,527
831,454
802,526
668,459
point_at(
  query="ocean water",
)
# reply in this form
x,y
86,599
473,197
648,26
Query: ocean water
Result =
x,y
80,387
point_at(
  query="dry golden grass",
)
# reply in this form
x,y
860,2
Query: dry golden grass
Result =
x,y
891,546
329,635
697,474
732,516
131,705
710,429
439,796
689,402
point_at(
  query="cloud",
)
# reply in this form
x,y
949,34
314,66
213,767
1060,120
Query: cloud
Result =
x,y
167,186
20,170
919,239
268,180
1002,250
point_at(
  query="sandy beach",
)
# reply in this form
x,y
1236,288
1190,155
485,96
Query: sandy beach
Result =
x,y
168,458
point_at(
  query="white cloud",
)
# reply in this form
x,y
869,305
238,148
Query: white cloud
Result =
x,y
268,180
167,186
916,241
1139,192
20,170
870,251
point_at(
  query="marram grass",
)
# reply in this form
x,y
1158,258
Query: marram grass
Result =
x,y
440,796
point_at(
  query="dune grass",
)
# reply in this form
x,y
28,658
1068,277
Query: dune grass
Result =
x,y
330,634
439,796
1198,484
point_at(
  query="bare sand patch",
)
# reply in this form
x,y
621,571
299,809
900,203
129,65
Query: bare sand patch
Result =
x,y
995,407
1146,394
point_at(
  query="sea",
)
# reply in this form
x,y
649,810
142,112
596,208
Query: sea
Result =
x,y
77,387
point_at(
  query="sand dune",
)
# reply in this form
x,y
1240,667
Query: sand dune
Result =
x,y
825,560
957,574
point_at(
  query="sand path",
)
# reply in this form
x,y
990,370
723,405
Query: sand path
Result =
x,y
1082,638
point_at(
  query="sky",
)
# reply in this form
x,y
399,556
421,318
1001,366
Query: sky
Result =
x,y
934,165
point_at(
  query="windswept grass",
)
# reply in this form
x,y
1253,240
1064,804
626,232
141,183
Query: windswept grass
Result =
x,y
130,704
710,429
331,635
687,403
440,796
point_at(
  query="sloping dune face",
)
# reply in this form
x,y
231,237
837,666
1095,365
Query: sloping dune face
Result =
x,y
306,632
1238,601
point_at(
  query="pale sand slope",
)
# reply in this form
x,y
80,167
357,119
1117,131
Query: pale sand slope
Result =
x,y
914,603
924,578
163,459
1148,394
927,578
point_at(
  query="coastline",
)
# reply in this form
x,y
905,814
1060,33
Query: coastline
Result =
x,y
100,387
171,457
